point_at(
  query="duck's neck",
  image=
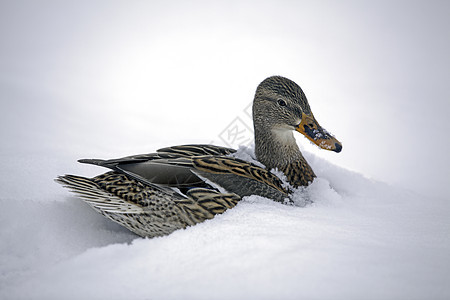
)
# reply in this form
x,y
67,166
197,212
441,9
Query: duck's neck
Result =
x,y
277,148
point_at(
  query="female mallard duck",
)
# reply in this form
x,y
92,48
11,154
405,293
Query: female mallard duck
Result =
x,y
155,194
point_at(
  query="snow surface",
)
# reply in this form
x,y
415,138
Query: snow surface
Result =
x,y
359,239
104,79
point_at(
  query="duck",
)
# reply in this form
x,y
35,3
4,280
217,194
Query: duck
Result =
x,y
176,187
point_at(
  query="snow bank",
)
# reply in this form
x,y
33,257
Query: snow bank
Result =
x,y
359,239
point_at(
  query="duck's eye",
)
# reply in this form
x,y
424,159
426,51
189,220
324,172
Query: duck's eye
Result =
x,y
281,102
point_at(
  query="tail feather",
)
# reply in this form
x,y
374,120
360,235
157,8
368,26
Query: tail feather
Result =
x,y
97,198
92,161
147,210
141,220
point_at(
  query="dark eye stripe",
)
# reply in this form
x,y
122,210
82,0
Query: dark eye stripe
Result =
x,y
281,102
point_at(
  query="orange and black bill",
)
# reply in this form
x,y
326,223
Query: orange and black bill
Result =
x,y
316,134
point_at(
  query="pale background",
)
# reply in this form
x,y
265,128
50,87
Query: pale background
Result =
x,y
104,79
122,77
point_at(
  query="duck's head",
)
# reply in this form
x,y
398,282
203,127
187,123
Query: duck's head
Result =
x,y
281,106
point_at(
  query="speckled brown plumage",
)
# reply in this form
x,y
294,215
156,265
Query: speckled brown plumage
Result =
x,y
147,210
298,173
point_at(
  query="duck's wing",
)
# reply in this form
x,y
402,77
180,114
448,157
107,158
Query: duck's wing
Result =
x,y
165,167
240,177
166,153
196,150
168,172
186,167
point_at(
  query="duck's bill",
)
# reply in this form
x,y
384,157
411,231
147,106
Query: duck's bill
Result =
x,y
316,134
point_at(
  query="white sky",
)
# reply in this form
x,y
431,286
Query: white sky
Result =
x,y
113,78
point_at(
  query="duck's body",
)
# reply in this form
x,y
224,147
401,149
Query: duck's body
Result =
x,y
158,193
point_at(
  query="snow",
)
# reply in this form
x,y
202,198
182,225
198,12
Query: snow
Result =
x,y
357,239
105,79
